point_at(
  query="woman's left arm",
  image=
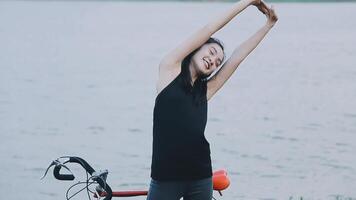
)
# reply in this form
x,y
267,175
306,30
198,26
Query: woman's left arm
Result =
x,y
239,54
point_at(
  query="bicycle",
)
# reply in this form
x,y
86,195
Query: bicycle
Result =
x,y
102,189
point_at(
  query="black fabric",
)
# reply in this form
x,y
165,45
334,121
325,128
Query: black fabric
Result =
x,y
180,149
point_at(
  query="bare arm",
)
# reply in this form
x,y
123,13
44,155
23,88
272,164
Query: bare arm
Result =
x,y
203,34
169,66
239,54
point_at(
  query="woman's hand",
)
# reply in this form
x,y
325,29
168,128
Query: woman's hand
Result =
x,y
261,5
271,17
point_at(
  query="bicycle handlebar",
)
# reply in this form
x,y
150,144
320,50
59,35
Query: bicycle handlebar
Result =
x,y
98,177
62,177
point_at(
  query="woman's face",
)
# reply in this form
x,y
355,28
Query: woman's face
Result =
x,y
207,59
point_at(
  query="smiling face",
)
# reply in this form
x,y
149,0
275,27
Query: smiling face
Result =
x,y
207,59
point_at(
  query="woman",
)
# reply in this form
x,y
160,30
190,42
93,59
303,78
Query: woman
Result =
x,y
181,164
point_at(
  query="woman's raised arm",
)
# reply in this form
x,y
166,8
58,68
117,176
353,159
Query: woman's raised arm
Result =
x,y
239,54
170,65
199,37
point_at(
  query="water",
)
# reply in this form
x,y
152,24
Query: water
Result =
x,y
78,78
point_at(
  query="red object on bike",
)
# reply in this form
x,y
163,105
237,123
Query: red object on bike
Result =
x,y
129,193
125,194
220,180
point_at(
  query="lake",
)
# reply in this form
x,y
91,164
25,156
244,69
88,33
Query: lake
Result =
x,y
78,78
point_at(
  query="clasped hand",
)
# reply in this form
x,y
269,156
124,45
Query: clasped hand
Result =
x,y
269,12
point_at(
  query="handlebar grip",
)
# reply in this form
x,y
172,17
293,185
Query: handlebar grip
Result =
x,y
83,163
63,177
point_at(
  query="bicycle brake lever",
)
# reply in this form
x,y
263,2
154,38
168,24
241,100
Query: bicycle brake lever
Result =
x,y
55,163
103,174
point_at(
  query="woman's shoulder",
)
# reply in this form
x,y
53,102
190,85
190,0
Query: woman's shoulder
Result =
x,y
166,76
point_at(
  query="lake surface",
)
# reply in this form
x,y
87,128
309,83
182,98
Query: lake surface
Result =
x,y
78,78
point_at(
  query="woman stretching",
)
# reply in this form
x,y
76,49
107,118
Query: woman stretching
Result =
x,y
181,164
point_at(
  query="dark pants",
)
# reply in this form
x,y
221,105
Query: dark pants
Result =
x,y
173,190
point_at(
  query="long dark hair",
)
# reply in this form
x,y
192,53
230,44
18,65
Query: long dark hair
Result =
x,y
200,83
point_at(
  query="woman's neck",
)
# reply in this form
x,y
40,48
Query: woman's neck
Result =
x,y
193,73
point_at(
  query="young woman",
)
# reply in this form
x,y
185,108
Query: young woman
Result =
x,y
181,164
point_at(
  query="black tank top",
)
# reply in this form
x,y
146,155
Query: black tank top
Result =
x,y
180,149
